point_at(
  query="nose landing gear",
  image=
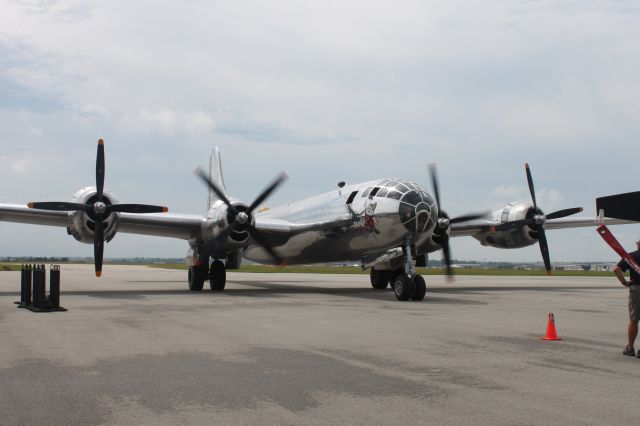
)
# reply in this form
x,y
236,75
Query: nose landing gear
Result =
x,y
406,284
409,288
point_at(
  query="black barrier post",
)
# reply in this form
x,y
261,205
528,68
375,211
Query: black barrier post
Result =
x,y
39,282
54,286
25,285
34,298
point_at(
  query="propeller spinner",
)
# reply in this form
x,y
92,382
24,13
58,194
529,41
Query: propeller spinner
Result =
x,y
98,209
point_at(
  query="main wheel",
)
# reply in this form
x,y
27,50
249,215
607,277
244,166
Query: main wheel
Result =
x,y
218,276
403,287
379,279
197,275
421,288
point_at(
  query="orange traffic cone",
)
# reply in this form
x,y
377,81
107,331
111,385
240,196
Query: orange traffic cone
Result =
x,y
551,330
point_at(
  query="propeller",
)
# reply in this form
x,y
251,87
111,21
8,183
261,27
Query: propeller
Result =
x,y
240,220
537,221
444,222
98,210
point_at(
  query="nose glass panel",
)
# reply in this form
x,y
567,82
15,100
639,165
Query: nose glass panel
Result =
x,y
416,211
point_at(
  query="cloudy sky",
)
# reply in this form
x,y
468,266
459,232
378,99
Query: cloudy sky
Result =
x,y
327,91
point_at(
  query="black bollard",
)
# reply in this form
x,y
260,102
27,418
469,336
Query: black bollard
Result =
x,y
54,286
25,290
39,279
23,286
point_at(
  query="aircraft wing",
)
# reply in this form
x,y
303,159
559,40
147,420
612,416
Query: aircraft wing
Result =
x,y
160,224
20,213
171,225
475,227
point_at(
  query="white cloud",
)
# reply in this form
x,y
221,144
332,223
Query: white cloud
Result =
x,y
169,122
328,91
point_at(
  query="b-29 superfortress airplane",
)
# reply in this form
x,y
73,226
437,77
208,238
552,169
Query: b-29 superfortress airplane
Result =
x,y
389,225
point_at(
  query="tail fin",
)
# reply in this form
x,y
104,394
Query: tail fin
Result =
x,y
620,206
215,174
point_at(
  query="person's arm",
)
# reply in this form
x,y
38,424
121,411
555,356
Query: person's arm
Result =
x,y
621,277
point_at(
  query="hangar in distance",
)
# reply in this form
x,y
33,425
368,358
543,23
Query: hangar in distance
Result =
x,y
389,225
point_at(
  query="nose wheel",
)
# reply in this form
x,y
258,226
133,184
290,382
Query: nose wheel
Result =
x,y
409,288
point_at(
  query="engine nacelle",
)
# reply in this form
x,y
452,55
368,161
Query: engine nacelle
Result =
x,y
514,238
82,224
220,223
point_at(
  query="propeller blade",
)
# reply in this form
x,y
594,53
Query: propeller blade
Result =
x,y
199,172
544,249
446,253
98,246
267,191
60,206
434,183
259,238
468,217
136,208
532,191
100,169
564,213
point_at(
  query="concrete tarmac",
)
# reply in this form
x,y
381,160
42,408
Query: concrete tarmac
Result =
x,y
136,347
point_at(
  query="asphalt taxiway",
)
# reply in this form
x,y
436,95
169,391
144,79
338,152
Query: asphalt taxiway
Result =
x,y
136,347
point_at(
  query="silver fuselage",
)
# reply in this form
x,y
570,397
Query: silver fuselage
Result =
x,y
366,227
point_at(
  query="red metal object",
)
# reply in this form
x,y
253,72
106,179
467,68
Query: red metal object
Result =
x,y
608,237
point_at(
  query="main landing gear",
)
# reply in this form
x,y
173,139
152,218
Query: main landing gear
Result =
x,y
217,276
404,287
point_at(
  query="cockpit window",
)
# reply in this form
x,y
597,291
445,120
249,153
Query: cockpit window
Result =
x,y
407,212
412,197
394,194
416,210
400,187
366,192
382,192
374,191
384,182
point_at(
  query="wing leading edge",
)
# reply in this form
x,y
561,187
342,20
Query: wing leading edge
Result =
x,y
169,225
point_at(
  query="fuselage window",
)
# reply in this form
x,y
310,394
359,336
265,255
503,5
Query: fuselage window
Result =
x,y
384,182
351,197
382,192
375,191
366,192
